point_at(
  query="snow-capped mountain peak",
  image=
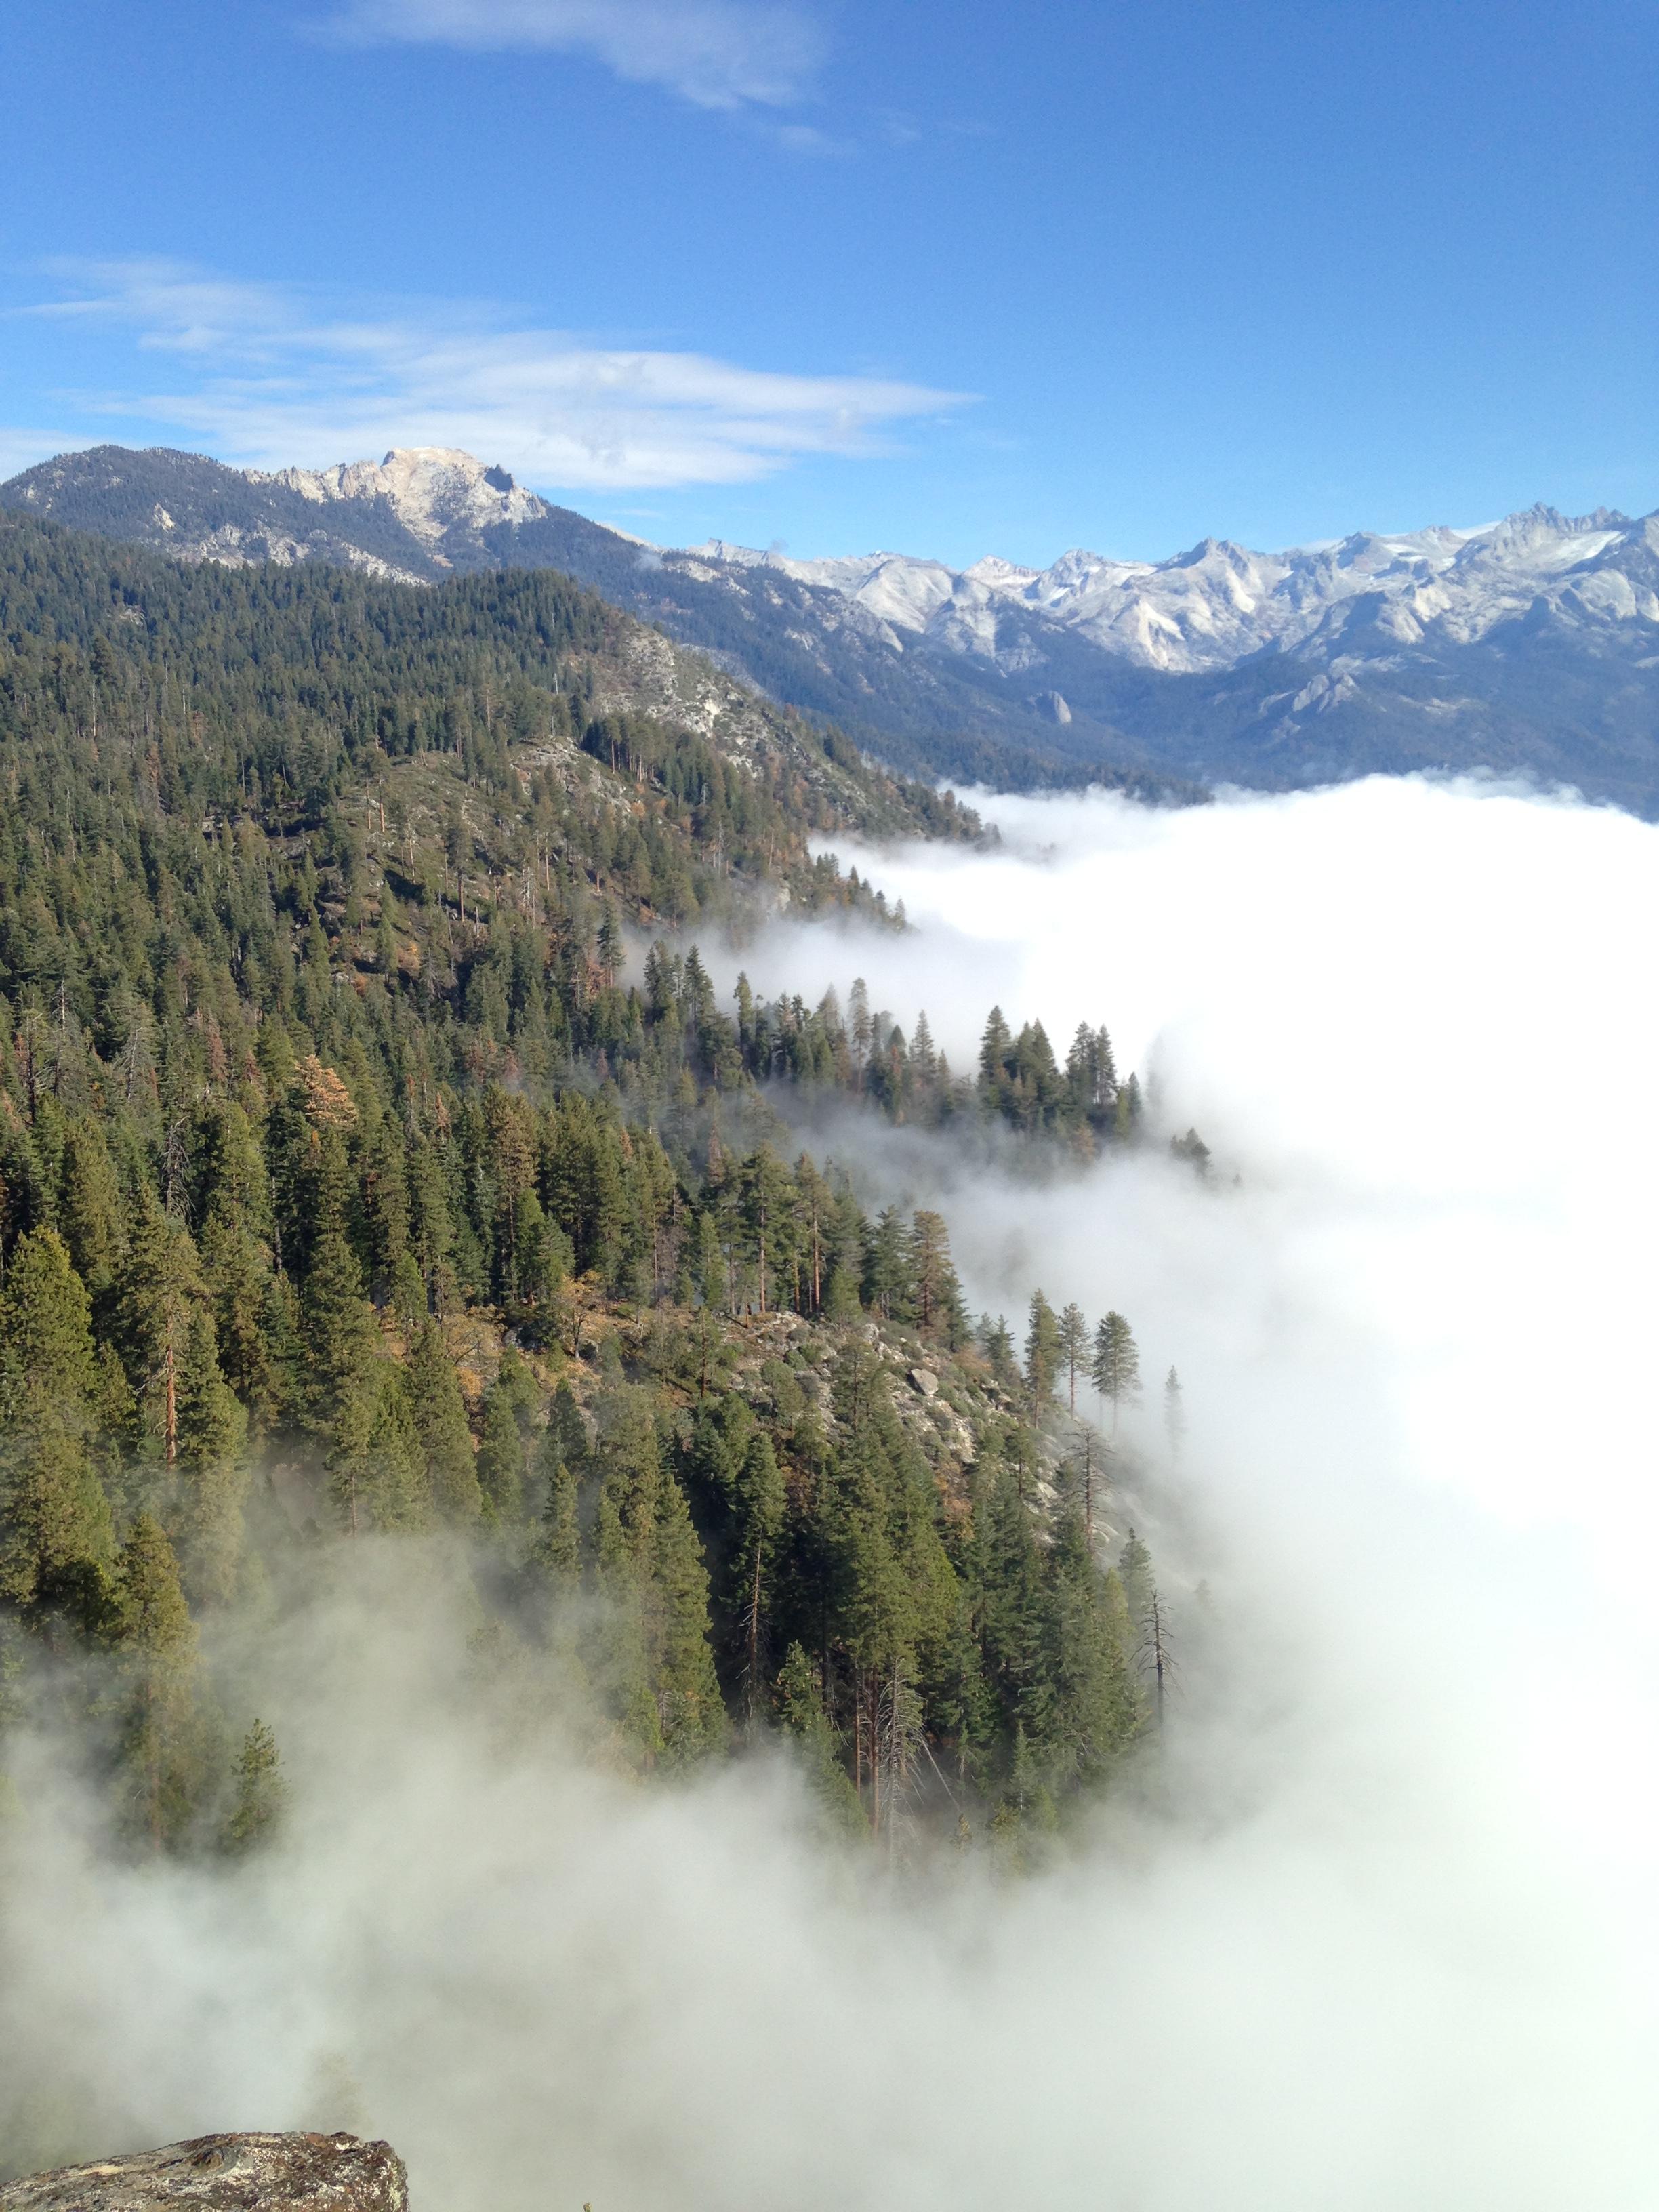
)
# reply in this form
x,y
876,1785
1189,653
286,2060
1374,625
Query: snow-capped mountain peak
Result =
x,y
1216,603
1529,644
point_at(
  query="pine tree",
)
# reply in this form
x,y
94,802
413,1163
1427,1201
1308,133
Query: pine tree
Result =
x,y
1175,1413
204,1511
802,1720
158,1644
558,1553
1117,1364
54,1525
886,1276
46,1327
499,1463
1096,1711
439,1412
89,1207
1044,1354
259,1797
244,1297
760,1501
1074,1350
376,1474
163,1299
1134,1570
996,1052
763,1194
340,1341
689,1713
935,1292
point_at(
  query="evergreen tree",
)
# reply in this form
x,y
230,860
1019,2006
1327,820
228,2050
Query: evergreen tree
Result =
x,y
499,1463
1044,1353
439,1413
935,1292
55,1526
1175,1413
760,1503
690,1714
340,1341
259,1795
802,1720
171,1357
1074,1350
1117,1364
158,1643
558,1553
376,1476
89,1210
886,1277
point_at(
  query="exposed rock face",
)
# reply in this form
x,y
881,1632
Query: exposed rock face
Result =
x,y
226,2173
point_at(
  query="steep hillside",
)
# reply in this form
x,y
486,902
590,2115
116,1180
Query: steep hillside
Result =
x,y
349,1189
431,515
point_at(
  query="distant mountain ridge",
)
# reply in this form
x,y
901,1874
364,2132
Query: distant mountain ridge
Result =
x,y
1216,604
1529,646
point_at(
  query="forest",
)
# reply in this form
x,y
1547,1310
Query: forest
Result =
x,y
378,1163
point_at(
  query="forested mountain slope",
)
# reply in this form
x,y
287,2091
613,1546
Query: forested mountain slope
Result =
x,y
426,516
1529,646
348,1190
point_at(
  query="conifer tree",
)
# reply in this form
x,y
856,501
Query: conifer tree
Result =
x,y
1074,1350
163,1300
340,1339
1117,1364
995,1051
89,1206
499,1463
439,1413
260,1793
558,1553
252,1334
1175,1413
802,1720
763,1195
1134,1570
689,1713
1096,1711
760,1502
55,1524
158,1642
935,1292
886,1277
1044,1354
204,1511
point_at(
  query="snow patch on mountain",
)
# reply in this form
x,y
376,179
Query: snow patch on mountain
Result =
x,y
1218,603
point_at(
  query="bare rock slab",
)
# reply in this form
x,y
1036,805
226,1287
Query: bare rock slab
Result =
x,y
226,2173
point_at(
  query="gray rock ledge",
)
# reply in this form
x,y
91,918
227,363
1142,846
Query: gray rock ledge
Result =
x,y
226,2173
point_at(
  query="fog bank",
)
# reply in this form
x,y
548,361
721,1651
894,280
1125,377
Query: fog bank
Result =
x,y
1383,1935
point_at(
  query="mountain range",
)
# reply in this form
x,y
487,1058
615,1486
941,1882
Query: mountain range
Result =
x,y
1529,646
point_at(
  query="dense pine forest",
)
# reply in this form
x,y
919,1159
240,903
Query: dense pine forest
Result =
x,y
378,1161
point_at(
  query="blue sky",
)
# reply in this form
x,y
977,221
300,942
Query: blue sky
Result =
x,y
951,279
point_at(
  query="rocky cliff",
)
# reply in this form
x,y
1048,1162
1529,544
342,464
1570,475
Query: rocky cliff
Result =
x,y
226,2173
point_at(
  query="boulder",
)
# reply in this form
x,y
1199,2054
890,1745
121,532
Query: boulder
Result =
x,y
924,1379
226,2173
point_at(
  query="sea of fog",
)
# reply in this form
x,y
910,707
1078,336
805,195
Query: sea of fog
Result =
x,y
1383,1936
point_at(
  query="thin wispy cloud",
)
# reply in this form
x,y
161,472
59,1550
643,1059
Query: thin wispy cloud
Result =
x,y
726,54
269,375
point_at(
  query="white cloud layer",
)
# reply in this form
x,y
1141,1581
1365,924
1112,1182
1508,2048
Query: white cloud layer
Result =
x,y
271,375
715,53
1386,1937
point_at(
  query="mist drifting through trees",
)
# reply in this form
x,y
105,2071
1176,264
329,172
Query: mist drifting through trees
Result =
x,y
1378,1928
